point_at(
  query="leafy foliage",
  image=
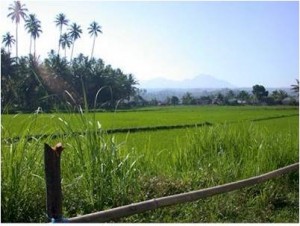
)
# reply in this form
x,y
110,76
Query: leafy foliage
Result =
x,y
28,84
259,92
33,26
8,40
295,87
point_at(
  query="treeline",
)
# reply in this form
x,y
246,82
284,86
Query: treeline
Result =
x,y
257,96
55,83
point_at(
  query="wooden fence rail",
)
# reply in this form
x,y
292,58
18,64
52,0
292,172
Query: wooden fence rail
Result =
x,y
54,193
141,207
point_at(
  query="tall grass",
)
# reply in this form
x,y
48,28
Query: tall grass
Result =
x,y
22,187
231,152
94,176
92,165
216,154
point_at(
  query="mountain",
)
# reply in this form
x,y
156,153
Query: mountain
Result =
x,y
199,82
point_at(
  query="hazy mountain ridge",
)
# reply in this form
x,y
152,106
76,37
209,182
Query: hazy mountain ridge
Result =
x,y
200,81
201,85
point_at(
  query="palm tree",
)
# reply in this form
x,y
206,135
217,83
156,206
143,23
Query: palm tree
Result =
x,y
65,41
295,88
18,12
8,40
29,24
94,28
60,20
33,25
36,33
74,33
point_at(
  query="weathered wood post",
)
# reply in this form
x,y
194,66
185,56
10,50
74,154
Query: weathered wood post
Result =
x,y
53,182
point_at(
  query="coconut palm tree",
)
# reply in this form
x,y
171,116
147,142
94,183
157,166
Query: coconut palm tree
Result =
x,y
29,24
74,33
60,20
94,28
33,25
295,88
8,41
36,34
18,13
65,41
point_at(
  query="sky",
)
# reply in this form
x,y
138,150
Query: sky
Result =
x,y
243,43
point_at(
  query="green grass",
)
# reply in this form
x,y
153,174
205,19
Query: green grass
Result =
x,y
188,150
49,123
101,171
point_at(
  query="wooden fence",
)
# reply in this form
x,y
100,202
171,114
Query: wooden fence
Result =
x,y
54,193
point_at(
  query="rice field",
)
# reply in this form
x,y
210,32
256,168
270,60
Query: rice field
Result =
x,y
101,171
13,125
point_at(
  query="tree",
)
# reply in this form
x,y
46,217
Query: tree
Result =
x,y
174,100
57,64
74,33
243,96
259,92
219,99
204,100
8,41
188,99
229,98
278,96
65,42
60,20
18,13
33,26
94,28
295,88
9,92
27,85
230,94
29,26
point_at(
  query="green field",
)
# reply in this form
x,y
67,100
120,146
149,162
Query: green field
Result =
x,y
101,171
13,125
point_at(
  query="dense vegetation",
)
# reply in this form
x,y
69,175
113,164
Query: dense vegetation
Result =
x,y
28,84
101,171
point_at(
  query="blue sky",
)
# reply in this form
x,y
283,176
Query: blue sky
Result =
x,y
244,43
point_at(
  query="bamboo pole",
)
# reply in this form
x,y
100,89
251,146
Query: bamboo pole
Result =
x,y
53,182
144,206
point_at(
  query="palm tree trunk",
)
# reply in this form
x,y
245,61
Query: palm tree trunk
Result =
x,y
34,44
17,40
72,51
30,45
93,47
59,40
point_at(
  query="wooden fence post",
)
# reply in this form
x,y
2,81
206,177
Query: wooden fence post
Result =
x,y
53,182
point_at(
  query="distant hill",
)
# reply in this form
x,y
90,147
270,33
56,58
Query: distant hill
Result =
x,y
199,82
